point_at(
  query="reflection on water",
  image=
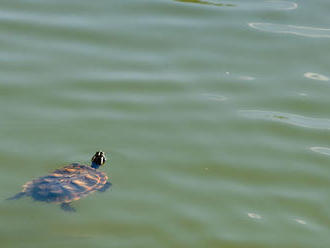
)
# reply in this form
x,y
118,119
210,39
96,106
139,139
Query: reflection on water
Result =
x,y
215,97
158,85
207,3
297,120
246,78
316,76
254,216
272,5
291,29
322,150
282,5
300,221
240,77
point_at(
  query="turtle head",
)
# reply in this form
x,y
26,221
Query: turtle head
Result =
x,y
98,159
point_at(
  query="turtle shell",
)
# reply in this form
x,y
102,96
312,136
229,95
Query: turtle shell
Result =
x,y
67,184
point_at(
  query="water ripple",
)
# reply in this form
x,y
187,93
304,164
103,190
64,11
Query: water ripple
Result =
x,y
296,120
215,97
207,3
316,76
270,5
246,78
291,29
254,216
49,20
274,5
302,222
322,150
283,5
240,77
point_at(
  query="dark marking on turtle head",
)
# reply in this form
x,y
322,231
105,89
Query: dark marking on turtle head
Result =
x,y
98,159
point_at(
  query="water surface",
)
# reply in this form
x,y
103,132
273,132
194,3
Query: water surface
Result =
x,y
217,131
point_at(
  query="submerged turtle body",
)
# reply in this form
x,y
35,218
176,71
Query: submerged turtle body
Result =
x,y
68,184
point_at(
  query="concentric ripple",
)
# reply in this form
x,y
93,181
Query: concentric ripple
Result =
x,y
311,32
296,120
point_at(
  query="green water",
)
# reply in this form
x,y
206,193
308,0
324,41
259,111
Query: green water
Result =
x,y
215,117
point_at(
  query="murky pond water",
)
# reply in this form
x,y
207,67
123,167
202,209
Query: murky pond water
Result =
x,y
214,114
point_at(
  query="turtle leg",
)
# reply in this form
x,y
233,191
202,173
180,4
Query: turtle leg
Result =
x,y
106,186
67,207
17,196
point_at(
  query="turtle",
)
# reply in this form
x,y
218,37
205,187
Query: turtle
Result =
x,y
68,184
